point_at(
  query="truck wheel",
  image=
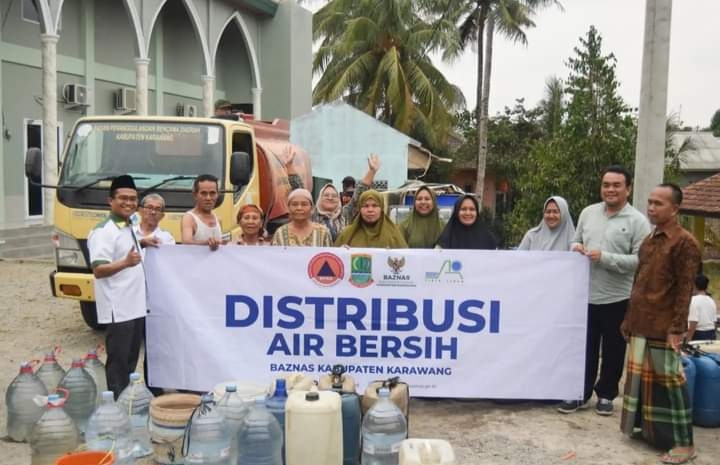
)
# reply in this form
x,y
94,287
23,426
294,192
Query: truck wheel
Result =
x,y
89,313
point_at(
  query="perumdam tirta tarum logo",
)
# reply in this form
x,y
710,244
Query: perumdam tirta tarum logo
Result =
x,y
450,271
361,270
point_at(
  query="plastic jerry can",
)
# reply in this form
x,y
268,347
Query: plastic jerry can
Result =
x,y
426,452
689,369
706,401
351,427
313,428
337,380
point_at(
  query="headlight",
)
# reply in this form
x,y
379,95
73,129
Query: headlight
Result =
x,y
67,251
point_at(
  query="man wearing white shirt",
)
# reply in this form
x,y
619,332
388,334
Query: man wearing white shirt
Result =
x,y
703,313
119,282
152,211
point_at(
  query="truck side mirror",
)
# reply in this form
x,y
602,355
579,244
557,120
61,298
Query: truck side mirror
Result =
x,y
240,168
33,164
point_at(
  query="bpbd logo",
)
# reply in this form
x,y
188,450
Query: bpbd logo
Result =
x,y
326,269
450,272
361,270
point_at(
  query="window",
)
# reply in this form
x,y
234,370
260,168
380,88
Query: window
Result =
x,y
29,11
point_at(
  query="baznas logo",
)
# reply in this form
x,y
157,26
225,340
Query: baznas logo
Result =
x,y
361,270
450,271
326,269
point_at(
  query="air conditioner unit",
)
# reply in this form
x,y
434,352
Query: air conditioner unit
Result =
x,y
75,94
190,111
125,99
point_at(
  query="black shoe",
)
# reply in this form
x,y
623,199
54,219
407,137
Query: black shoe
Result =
x,y
604,407
572,406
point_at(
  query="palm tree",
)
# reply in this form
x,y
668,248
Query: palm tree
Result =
x,y
553,105
478,20
374,54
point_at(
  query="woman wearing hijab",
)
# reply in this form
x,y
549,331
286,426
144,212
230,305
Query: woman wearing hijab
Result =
x,y
422,228
301,231
371,226
328,211
465,230
555,231
250,219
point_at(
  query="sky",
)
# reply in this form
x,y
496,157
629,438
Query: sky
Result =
x,y
520,71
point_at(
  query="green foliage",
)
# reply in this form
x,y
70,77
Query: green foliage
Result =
x,y
374,54
715,124
598,130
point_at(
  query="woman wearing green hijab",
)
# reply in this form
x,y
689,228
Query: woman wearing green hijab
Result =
x,y
371,227
422,228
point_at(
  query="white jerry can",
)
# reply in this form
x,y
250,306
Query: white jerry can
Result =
x,y
313,428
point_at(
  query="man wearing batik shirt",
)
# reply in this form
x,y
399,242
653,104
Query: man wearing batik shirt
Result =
x,y
656,404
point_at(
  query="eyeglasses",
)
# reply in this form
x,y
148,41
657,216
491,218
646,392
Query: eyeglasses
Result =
x,y
329,196
153,209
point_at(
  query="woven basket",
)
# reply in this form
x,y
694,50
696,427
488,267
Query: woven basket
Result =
x,y
173,410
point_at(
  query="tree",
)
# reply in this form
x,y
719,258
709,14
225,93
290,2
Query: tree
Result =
x,y
599,130
715,124
374,54
478,20
553,105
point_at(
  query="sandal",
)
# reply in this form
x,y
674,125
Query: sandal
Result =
x,y
676,458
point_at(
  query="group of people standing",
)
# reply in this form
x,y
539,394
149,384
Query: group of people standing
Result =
x,y
641,276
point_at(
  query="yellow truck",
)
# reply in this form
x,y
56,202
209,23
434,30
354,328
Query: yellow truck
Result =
x,y
164,155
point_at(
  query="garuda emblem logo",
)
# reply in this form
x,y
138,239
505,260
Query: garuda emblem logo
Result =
x,y
396,264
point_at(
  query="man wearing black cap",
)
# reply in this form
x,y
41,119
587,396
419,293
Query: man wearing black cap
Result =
x,y
119,282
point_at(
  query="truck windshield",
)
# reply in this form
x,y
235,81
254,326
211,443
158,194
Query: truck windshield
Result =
x,y
168,155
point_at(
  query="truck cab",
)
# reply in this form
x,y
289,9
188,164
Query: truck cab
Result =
x,y
164,155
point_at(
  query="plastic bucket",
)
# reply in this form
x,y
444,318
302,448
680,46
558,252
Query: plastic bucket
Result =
x,y
86,458
169,415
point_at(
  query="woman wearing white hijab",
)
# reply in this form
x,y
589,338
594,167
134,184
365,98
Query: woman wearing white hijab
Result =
x,y
328,211
555,231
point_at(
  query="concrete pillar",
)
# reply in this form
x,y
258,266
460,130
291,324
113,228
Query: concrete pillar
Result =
x,y
650,152
49,96
257,102
208,92
141,86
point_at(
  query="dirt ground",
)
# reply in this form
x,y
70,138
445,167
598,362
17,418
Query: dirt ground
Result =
x,y
481,432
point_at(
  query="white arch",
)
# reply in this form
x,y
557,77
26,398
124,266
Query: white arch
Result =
x,y
137,26
59,15
255,68
197,25
46,23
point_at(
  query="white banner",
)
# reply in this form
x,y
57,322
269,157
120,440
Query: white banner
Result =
x,y
450,323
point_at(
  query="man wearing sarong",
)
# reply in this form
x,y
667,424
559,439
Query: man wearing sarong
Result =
x,y
656,404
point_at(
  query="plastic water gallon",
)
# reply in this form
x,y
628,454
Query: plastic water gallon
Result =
x,y
207,441
426,452
80,402
50,371
706,401
690,373
96,368
169,415
383,430
54,434
245,390
294,382
260,437
108,429
135,400
276,405
313,428
234,409
22,411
